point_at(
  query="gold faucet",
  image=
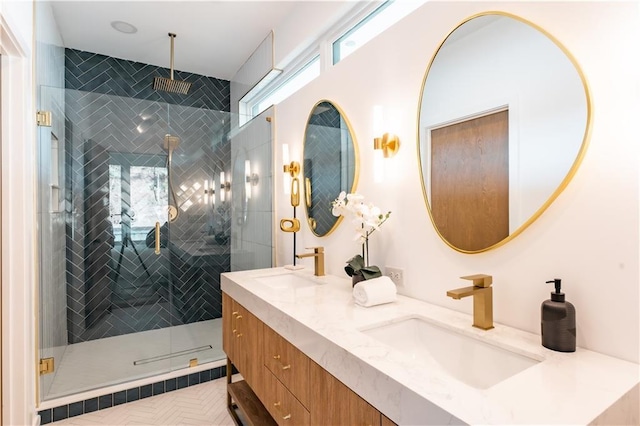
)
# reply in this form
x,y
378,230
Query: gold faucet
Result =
x,y
482,293
318,261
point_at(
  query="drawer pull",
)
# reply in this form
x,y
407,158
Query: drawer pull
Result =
x,y
235,313
285,417
239,335
284,367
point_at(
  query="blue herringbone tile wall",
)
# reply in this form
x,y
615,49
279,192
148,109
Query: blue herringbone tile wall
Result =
x,y
115,118
91,72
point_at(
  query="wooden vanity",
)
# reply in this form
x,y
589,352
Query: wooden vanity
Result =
x,y
281,385
303,350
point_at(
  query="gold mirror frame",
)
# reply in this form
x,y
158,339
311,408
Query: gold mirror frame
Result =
x,y
311,222
572,170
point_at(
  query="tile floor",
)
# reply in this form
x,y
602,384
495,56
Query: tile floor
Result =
x,y
203,404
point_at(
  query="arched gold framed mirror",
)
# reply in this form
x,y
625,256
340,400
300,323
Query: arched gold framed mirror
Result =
x,y
330,164
503,125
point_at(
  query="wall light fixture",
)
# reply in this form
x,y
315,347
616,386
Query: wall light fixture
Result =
x,y
225,186
209,192
385,146
250,179
388,143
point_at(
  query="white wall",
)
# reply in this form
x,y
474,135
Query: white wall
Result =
x,y
308,20
18,213
588,236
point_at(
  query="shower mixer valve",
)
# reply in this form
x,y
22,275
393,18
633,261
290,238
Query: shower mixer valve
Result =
x,y
173,213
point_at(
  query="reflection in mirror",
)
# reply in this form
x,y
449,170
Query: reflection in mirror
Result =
x,y
330,165
503,126
240,201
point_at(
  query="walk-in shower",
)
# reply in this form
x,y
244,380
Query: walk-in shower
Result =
x,y
135,227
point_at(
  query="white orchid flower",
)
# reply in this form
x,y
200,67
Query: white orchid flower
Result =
x,y
365,217
355,197
339,204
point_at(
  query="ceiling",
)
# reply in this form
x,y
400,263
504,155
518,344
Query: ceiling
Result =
x,y
214,38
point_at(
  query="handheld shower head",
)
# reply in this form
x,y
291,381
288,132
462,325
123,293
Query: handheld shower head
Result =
x,y
171,142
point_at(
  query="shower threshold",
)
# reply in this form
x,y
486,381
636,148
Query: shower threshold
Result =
x,y
98,364
172,355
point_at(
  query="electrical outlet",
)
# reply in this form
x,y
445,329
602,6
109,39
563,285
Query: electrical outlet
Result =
x,y
396,275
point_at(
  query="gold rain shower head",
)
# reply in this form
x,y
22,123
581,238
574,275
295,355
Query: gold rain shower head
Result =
x,y
169,84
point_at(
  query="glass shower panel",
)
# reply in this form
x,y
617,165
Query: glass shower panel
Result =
x,y
112,310
251,194
104,293
198,246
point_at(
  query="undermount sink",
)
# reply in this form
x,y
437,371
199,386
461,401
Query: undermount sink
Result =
x,y
286,281
467,359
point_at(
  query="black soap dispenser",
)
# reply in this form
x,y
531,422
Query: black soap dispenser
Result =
x,y
558,322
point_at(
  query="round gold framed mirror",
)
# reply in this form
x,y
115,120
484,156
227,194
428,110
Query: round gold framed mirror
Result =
x,y
504,122
330,165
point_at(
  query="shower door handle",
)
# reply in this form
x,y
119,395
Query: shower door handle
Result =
x,y
157,238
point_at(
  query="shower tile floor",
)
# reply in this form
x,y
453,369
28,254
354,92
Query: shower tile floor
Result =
x,y
203,404
109,361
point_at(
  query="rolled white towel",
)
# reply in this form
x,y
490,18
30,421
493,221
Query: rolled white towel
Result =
x,y
375,291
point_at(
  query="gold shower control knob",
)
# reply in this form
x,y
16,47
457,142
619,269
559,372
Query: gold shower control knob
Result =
x,y
173,213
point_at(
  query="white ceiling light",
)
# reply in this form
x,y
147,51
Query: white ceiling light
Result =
x,y
124,27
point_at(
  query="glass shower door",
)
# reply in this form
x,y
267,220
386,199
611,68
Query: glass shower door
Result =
x,y
105,299
112,310
52,338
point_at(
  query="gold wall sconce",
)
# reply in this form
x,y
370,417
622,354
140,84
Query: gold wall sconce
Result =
x,y
388,143
209,193
225,186
385,146
293,168
250,178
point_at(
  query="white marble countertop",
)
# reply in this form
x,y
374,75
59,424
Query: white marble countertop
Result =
x,y
323,321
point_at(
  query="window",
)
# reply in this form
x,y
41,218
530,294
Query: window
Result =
x,y
143,203
359,34
385,15
357,27
299,78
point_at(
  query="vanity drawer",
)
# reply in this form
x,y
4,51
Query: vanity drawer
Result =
x,y
288,364
282,405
